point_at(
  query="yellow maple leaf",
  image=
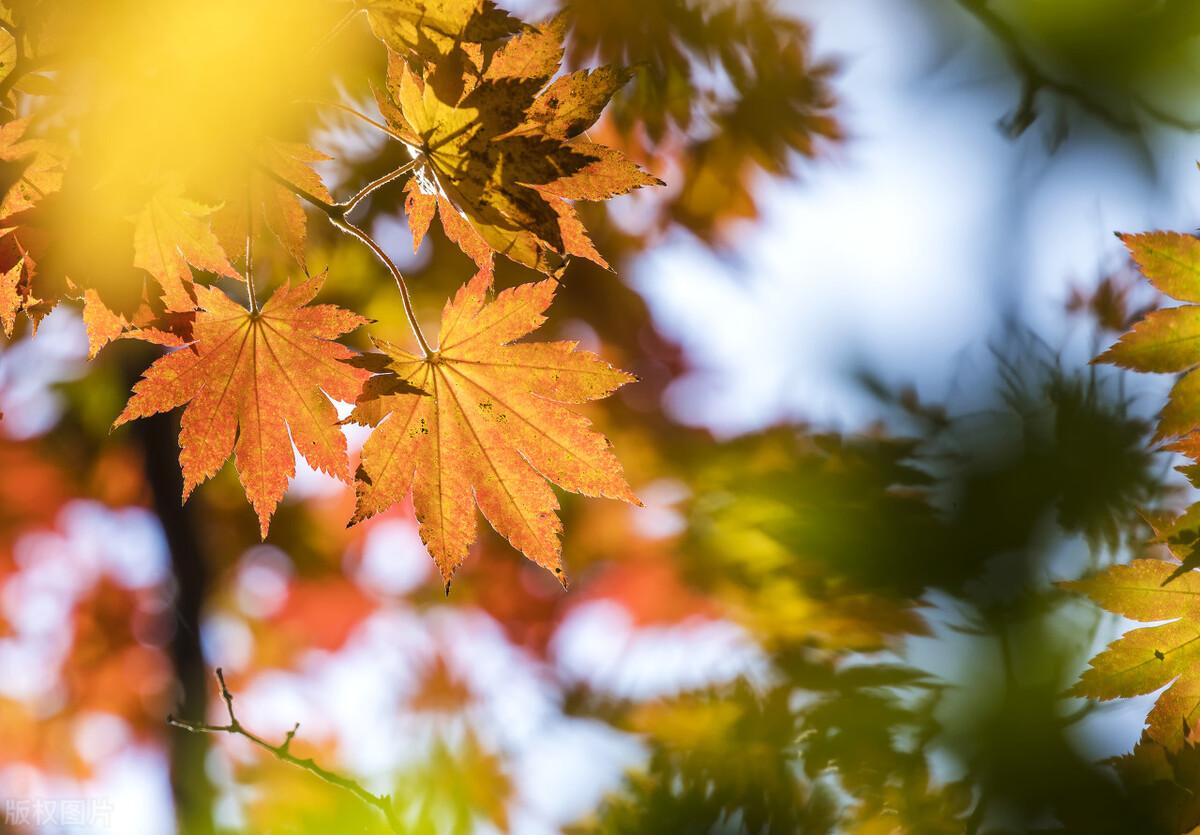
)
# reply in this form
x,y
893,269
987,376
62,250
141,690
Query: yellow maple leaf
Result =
x,y
433,28
250,377
29,169
10,296
1147,659
489,427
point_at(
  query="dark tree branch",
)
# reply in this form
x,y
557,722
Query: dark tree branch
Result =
x,y
282,752
1034,80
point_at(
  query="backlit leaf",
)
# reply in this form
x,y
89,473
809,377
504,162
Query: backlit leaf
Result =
x,y
433,28
490,427
507,157
172,232
247,380
1168,340
1143,660
10,297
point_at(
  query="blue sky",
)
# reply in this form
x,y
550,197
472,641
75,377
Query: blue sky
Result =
x,y
906,247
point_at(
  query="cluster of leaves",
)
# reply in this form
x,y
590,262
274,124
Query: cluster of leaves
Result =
x,y
138,183
729,89
1147,659
835,553
841,554
826,549
496,151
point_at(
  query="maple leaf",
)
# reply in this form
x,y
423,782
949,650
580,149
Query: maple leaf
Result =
x,y
29,170
118,242
488,426
247,379
11,301
1143,660
106,263
273,204
503,160
1168,340
434,28
1158,783
105,325
171,232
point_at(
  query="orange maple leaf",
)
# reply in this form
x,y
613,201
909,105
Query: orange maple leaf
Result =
x,y
247,379
10,296
173,231
488,427
271,204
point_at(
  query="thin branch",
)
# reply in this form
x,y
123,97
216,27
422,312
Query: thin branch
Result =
x,y
1171,119
282,752
331,209
250,246
359,115
336,212
23,63
329,36
366,190
1079,714
349,228
1035,80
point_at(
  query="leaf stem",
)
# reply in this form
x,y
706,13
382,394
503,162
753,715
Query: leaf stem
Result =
x,y
349,228
359,115
366,190
336,212
329,36
283,753
250,246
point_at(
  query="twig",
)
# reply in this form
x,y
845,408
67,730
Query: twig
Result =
x,y
336,212
282,752
250,246
358,115
329,36
366,190
331,209
349,228
1174,120
1035,79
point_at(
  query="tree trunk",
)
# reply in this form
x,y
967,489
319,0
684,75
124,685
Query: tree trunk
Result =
x,y
193,792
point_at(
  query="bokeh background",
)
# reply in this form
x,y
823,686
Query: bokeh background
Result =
x,y
866,433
